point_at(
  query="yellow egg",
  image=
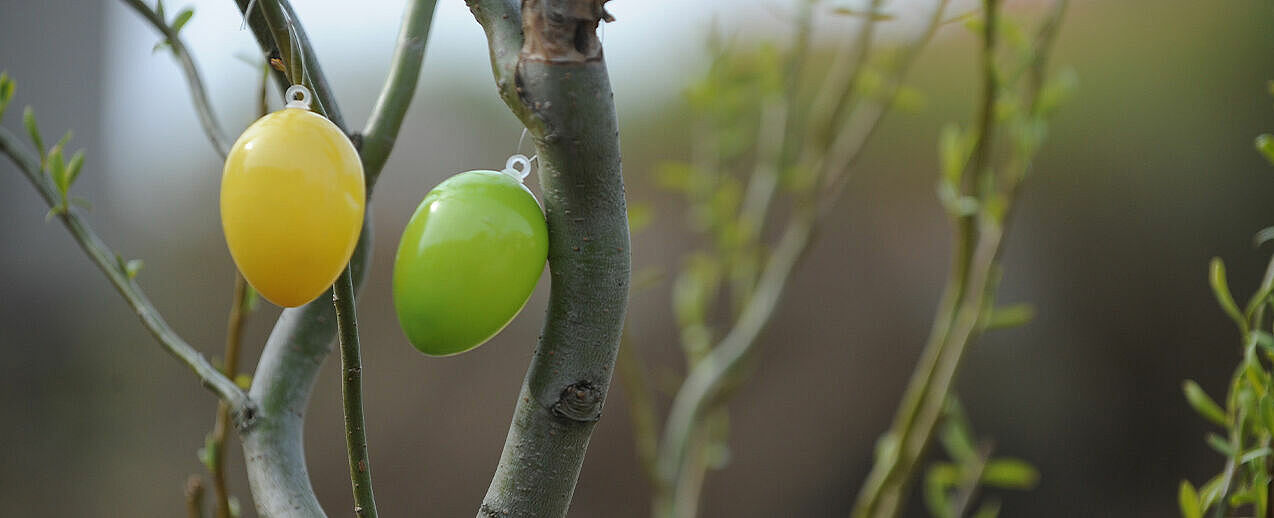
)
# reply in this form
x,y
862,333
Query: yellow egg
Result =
x,y
292,200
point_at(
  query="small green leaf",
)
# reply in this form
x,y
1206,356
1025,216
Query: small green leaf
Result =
x,y
639,216
159,9
1009,317
244,381
940,478
953,151
163,44
208,454
1221,290
1203,404
7,87
182,18
1188,499
250,298
956,204
1265,144
1252,455
33,129
1221,445
73,169
132,267
57,170
1009,473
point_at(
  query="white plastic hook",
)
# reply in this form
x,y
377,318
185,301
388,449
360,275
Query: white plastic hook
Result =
x,y
511,167
298,96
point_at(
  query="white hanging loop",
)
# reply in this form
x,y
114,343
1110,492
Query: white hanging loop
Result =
x,y
298,96
511,167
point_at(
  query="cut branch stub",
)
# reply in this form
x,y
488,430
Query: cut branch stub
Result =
x,y
562,30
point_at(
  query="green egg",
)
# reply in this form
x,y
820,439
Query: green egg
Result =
x,y
468,261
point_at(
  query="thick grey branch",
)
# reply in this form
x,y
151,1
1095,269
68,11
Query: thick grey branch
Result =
x,y
108,262
559,88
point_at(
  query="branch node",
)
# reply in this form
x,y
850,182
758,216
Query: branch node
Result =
x,y
580,401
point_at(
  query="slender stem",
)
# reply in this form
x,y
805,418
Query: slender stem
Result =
x,y
108,262
198,92
978,246
548,66
702,389
298,55
360,470
194,497
239,308
234,336
641,408
381,130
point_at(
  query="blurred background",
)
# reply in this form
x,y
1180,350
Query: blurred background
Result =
x,y
1148,172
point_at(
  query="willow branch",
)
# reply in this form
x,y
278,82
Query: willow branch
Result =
x,y
704,386
234,337
978,246
108,262
198,92
282,35
548,66
400,85
360,470
194,497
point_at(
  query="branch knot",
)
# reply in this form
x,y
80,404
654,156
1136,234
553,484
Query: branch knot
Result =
x,y
580,401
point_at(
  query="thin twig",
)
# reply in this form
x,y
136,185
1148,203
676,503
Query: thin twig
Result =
x,y
978,246
641,408
194,497
706,385
234,336
198,92
702,388
298,56
360,470
108,262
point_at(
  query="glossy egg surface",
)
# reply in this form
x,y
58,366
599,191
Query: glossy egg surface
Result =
x,y
292,200
468,261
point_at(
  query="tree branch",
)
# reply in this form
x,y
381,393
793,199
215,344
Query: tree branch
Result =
x,y
108,262
360,471
554,79
280,34
704,385
198,93
978,246
400,85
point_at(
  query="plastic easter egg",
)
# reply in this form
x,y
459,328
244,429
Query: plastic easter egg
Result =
x,y
468,261
292,200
